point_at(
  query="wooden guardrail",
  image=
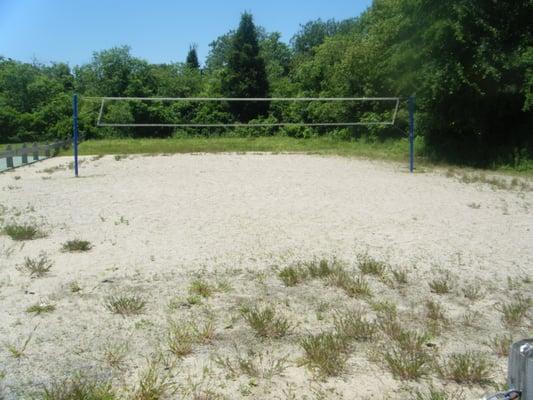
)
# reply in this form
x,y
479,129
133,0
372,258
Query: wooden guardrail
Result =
x,y
36,151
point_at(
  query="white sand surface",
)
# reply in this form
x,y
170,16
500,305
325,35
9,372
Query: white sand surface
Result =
x,y
156,222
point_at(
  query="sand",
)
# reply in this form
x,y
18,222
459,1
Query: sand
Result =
x,y
235,219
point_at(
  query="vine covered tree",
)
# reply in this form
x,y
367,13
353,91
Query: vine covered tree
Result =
x,y
245,74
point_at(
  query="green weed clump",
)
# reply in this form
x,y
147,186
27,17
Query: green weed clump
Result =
x,y
501,345
22,232
79,388
353,326
441,285
76,246
200,287
325,353
254,364
125,305
353,286
265,321
292,275
471,367
41,308
298,273
407,357
370,266
514,312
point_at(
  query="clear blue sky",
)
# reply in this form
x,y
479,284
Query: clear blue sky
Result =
x,y
157,30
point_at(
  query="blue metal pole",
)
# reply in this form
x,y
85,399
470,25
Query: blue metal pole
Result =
x,y
411,134
75,133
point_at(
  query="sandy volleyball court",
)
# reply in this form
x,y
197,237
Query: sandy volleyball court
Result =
x,y
235,221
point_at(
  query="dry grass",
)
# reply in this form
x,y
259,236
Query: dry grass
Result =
x,y
253,363
36,267
473,292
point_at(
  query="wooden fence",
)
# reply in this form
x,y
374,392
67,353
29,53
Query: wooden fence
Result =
x,y
31,153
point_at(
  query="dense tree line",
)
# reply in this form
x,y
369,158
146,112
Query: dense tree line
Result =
x,y
468,62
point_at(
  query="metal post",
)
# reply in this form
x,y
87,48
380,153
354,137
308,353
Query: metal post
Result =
x,y
24,154
75,134
9,157
411,134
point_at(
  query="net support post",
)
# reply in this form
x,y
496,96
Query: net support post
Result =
x,y
411,105
75,132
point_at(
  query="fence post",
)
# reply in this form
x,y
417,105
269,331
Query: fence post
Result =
x,y
47,150
75,133
9,158
35,150
24,153
411,134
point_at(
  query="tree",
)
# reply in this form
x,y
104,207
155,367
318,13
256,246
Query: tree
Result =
x,y
192,58
245,75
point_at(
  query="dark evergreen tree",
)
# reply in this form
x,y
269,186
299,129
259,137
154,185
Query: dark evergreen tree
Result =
x,y
192,58
245,75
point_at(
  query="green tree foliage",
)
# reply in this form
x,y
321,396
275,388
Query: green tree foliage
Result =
x,y
469,63
245,74
192,58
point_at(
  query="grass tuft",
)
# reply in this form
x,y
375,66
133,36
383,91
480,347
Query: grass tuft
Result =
x,y
79,388
20,232
41,308
325,353
514,312
200,287
356,287
154,383
36,267
180,339
125,305
254,364
292,275
441,285
406,357
501,345
473,292
471,367
76,245
353,326
369,266
265,322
